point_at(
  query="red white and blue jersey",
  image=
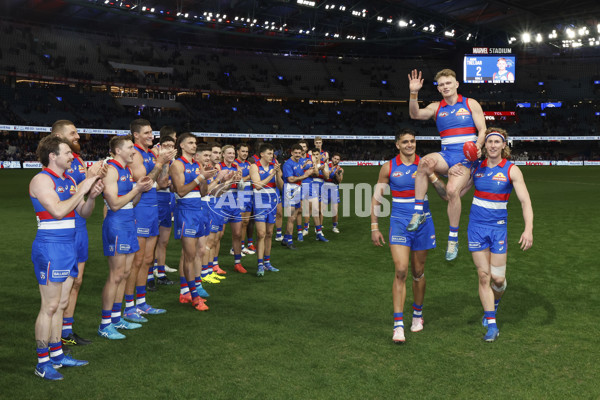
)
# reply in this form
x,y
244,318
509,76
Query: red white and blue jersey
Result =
x,y
51,229
245,168
255,159
233,167
148,198
77,172
190,201
402,185
292,168
269,191
308,164
332,171
455,124
493,187
123,217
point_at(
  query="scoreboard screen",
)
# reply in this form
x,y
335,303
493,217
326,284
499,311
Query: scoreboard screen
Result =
x,y
479,68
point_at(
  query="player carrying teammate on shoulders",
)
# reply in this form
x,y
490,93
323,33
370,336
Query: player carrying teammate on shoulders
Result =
x,y
399,174
459,120
494,178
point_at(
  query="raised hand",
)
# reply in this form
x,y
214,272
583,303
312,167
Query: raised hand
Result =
x,y
415,82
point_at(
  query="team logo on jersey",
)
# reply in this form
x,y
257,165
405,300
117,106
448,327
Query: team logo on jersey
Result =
x,y
73,189
188,171
43,275
443,114
397,174
414,174
479,175
60,189
462,111
501,242
70,171
123,178
500,177
81,169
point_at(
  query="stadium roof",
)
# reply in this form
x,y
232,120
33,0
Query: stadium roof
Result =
x,y
411,28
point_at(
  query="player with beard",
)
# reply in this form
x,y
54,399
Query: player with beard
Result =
x,y
66,130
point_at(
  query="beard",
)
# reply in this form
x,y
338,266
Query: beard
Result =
x,y
75,147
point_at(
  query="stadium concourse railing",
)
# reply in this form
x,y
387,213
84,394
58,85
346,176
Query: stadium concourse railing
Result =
x,y
94,131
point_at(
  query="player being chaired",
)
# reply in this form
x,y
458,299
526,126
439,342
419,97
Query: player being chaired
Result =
x,y
459,120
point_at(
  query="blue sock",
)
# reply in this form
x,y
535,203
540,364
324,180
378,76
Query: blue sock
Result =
x,y
237,258
56,352
419,206
260,262
287,238
151,274
140,297
319,229
453,235
192,286
129,302
491,318
250,242
417,310
398,320
278,232
496,304
306,225
299,228
335,224
183,286
268,260
105,319
67,327
216,260
115,315
43,355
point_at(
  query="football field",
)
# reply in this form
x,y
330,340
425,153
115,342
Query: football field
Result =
x,y
321,328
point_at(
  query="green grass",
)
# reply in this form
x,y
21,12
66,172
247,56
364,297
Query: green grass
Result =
x,y
321,328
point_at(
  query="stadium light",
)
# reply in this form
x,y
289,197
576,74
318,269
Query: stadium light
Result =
x,y
402,24
526,37
570,33
538,38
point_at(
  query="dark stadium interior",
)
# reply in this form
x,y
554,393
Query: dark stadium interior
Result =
x,y
103,63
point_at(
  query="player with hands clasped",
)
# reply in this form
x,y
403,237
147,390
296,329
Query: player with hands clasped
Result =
x,y
494,179
459,120
56,198
119,236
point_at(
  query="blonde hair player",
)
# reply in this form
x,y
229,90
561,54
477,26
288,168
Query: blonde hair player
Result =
x,y
494,179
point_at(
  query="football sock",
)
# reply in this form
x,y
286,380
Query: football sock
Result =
x,y
287,239
106,321
260,262
496,304
490,316
319,229
216,261
453,235
115,315
250,242
161,271
140,297
267,259
306,225
43,355
183,285
206,270
129,302
192,286
198,282
150,274
335,224
398,320
417,310
299,228
237,258
278,234
67,327
419,206
56,352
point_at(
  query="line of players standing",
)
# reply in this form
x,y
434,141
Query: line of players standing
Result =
x,y
213,186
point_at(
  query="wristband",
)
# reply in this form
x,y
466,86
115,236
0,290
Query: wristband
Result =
x,y
196,180
374,230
